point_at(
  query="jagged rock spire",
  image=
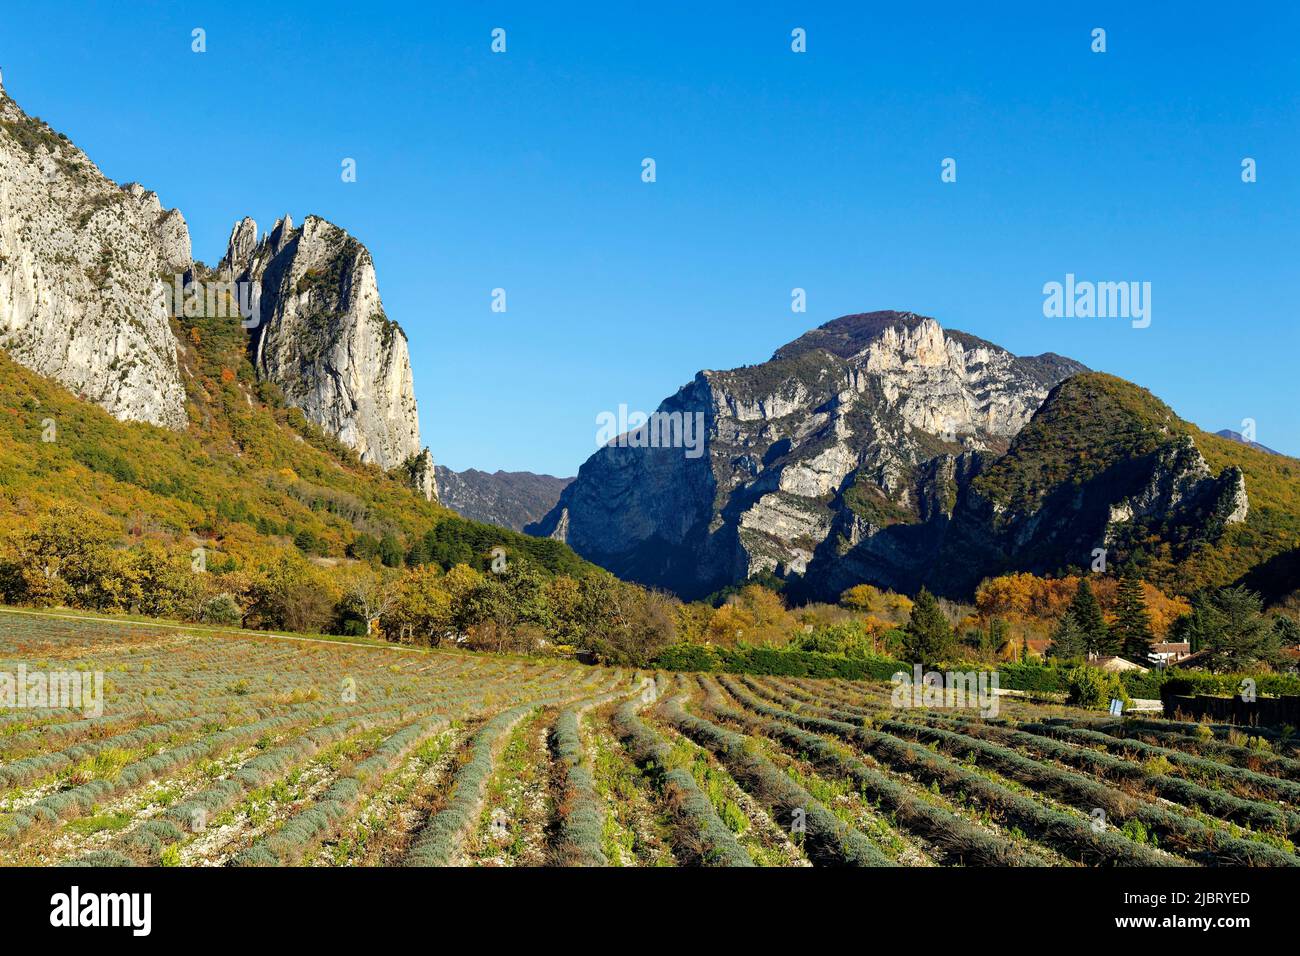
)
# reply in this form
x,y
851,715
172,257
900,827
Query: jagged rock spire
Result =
x,y
324,339
239,248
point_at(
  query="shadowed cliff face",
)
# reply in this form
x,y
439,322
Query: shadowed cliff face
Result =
x,y
1104,469
82,262
857,454
324,338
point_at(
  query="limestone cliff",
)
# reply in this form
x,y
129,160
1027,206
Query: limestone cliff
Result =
x,y
82,267
840,430
88,296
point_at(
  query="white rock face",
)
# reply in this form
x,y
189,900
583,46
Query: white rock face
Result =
x,y
939,386
86,268
81,261
174,253
324,337
240,247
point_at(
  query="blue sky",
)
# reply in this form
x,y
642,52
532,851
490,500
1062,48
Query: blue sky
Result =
x,y
775,170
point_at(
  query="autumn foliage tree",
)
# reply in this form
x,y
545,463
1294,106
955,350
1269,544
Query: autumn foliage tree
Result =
x,y
1037,603
755,616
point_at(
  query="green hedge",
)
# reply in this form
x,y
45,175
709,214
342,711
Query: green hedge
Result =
x,y
1032,676
1229,685
1036,678
768,661
782,663
687,657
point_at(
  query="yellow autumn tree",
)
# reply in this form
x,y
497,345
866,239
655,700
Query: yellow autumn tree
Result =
x,y
861,597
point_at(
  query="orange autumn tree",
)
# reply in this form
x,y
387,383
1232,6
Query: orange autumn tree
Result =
x,y
1024,597
755,616
1034,602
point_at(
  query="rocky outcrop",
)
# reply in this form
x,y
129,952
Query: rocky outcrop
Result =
x,y
170,229
422,475
509,499
88,282
1179,482
323,337
1103,470
858,426
239,248
82,298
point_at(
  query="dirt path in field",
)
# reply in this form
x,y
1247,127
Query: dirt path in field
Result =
x,y
378,832
637,829
520,800
427,794
766,842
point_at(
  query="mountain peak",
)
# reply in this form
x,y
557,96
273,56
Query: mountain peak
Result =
x,y
849,334
1241,439
881,448
869,420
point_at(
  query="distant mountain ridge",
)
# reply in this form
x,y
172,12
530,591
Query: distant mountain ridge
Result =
x,y
509,499
1229,434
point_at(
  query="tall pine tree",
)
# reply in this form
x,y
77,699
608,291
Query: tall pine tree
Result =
x,y
1087,615
928,635
1244,638
1132,627
1068,640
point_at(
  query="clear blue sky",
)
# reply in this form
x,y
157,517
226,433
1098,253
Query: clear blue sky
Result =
x,y
775,170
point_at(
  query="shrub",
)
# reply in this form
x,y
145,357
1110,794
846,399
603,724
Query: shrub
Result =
x,y
1093,687
688,657
222,610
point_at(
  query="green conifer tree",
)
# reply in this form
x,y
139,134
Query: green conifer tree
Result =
x,y
1068,640
1132,628
928,635
1097,638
